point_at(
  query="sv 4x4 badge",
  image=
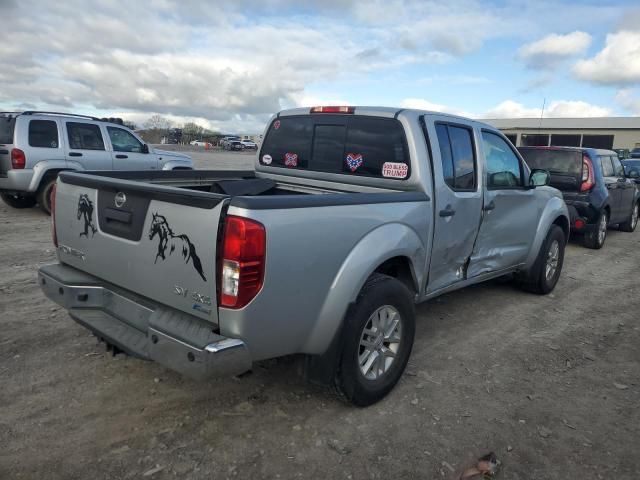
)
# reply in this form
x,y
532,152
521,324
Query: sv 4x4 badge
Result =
x,y
166,238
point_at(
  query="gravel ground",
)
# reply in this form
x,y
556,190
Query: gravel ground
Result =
x,y
551,384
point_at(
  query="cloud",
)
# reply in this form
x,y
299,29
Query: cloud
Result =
x,y
555,109
422,104
629,99
618,63
553,49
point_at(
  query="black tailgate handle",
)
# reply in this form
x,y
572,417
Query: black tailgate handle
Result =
x,y
75,154
121,156
120,216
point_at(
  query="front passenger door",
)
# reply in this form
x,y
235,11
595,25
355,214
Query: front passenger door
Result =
x,y
510,209
128,152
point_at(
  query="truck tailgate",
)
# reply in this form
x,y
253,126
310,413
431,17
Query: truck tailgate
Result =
x,y
156,241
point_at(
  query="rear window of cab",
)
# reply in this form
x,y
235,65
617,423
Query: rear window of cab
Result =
x,y
344,144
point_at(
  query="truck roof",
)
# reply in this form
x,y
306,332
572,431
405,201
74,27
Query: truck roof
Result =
x,y
388,112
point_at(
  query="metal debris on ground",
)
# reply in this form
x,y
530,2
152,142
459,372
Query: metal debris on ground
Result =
x,y
487,466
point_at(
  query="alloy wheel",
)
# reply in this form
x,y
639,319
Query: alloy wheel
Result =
x,y
379,342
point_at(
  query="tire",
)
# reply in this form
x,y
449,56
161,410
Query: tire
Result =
x,y
544,275
18,201
631,224
596,238
44,194
383,300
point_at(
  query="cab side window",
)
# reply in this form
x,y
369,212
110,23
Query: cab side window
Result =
x,y
503,166
123,141
607,167
43,134
457,156
84,136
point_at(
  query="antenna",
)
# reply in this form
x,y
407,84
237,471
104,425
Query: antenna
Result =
x,y
544,101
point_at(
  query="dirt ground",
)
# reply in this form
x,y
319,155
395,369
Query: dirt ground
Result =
x,y
551,384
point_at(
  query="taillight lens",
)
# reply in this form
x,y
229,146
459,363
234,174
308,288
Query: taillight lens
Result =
x,y
18,158
333,109
242,261
588,178
54,235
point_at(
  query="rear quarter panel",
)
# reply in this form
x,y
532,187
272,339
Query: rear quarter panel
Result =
x,y
317,261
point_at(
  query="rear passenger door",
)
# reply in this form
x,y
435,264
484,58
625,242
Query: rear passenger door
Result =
x,y
510,211
626,187
85,145
458,201
615,189
127,151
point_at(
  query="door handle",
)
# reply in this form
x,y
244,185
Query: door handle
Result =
x,y
121,156
447,212
75,154
489,206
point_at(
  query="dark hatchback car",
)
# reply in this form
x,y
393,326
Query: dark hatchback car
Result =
x,y
632,169
233,145
594,186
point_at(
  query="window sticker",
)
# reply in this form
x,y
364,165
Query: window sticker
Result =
x,y
266,159
291,159
395,170
354,161
276,125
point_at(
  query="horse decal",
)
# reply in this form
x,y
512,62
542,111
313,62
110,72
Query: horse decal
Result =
x,y
166,238
85,208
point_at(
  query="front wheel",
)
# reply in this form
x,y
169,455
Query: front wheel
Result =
x,y
632,222
18,201
544,275
378,337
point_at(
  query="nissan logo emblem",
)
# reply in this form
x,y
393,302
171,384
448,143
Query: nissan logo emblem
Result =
x,y
120,199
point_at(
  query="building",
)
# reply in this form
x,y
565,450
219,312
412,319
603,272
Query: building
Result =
x,y
598,132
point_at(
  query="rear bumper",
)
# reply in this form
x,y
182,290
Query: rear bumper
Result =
x,y
582,216
16,181
143,328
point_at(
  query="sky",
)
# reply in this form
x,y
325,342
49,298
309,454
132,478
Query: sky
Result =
x,y
229,65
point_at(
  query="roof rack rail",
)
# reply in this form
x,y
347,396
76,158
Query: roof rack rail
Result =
x,y
36,112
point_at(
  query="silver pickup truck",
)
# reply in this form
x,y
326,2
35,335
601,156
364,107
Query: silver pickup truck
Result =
x,y
36,146
353,215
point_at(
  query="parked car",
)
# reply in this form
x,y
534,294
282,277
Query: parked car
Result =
x,y
632,169
225,140
635,153
233,145
352,216
199,143
36,146
623,153
595,188
249,145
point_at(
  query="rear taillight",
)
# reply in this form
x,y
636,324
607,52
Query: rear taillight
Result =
x,y
241,267
333,109
54,235
588,178
18,158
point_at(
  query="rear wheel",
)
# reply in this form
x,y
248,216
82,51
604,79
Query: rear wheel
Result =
x,y
595,238
44,195
544,275
18,201
630,225
378,337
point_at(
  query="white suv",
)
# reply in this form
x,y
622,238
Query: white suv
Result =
x,y
36,146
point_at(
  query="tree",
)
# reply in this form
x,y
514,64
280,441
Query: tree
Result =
x,y
158,122
130,125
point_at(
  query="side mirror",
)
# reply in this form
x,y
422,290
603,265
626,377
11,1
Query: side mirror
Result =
x,y
145,148
539,178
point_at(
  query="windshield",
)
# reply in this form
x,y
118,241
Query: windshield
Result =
x,y
7,125
555,161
